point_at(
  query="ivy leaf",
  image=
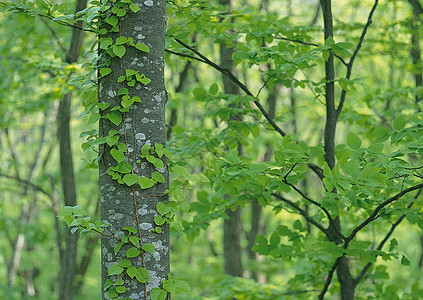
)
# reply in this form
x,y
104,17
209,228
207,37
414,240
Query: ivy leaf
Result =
x,y
121,289
112,140
107,284
115,270
135,241
113,20
158,294
159,220
142,47
162,208
142,275
117,155
121,40
130,229
130,179
158,177
133,7
130,72
353,141
119,50
105,71
127,102
115,117
131,271
145,182
132,252
399,122
117,247
149,248
125,263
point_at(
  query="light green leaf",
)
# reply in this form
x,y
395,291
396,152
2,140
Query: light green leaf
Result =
x,y
115,117
107,284
142,276
115,270
149,248
158,177
159,220
162,208
132,252
134,8
135,241
119,50
117,155
105,71
121,289
130,72
158,294
117,247
130,179
353,141
130,229
142,47
399,122
131,271
125,263
146,182
121,40
182,287
112,140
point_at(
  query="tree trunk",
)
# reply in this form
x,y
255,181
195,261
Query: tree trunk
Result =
x,y
68,263
144,123
232,228
343,271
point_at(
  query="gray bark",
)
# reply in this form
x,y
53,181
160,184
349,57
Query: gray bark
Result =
x,y
143,124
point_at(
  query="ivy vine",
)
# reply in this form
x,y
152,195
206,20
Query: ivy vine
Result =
x,y
105,18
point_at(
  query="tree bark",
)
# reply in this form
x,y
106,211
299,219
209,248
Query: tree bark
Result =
x,y
232,227
345,279
143,124
68,263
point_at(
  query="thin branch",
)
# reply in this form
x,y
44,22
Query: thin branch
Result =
x,y
302,212
385,239
30,184
373,216
233,78
357,49
329,278
318,205
56,37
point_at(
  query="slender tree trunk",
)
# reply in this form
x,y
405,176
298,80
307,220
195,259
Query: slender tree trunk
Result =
x,y
343,271
232,227
144,123
68,263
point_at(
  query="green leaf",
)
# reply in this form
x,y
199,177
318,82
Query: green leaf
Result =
x,y
162,208
159,220
115,270
112,293
123,91
121,40
130,179
94,118
119,50
142,47
399,122
181,171
213,89
115,117
117,247
112,20
182,287
125,263
107,284
158,294
130,229
130,72
158,177
142,275
105,71
146,182
112,140
184,206
121,289
132,252
353,141
405,261
117,155
135,241
149,248
127,102
131,271
133,7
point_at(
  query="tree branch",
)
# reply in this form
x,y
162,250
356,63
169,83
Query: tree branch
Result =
x,y
301,211
30,184
351,62
234,79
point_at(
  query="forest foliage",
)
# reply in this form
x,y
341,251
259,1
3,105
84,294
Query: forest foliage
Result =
x,y
315,159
